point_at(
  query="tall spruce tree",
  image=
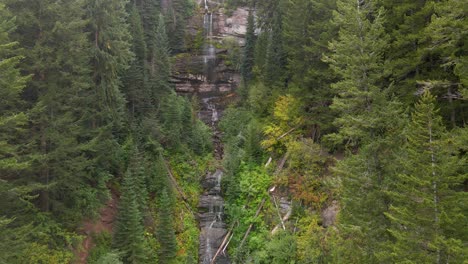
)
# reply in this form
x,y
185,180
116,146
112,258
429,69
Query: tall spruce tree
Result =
x,y
162,65
357,57
13,120
136,77
129,231
366,120
111,55
57,54
275,59
423,194
165,231
405,25
13,161
307,32
447,37
249,49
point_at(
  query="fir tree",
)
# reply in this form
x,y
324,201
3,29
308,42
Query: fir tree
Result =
x,y
421,207
136,79
129,232
275,55
357,57
249,49
307,32
162,65
447,34
405,24
111,54
12,120
138,172
366,120
57,54
165,232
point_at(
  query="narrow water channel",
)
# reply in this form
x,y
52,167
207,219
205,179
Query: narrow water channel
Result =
x,y
211,207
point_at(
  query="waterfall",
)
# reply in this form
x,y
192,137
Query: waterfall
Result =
x,y
211,206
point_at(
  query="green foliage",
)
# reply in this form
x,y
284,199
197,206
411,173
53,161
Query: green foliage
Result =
x,y
424,192
160,66
129,231
110,52
280,249
135,79
180,125
102,251
275,59
110,258
286,124
165,232
243,199
357,56
12,120
234,58
249,49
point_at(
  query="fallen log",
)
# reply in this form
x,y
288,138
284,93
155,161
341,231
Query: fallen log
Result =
x,y
284,219
251,225
177,187
225,241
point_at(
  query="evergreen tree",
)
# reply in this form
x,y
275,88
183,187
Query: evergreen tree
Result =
x,y
149,10
110,43
57,54
176,19
366,120
405,25
138,171
110,55
357,57
135,79
274,68
13,161
249,49
307,32
447,35
129,231
12,120
165,232
423,194
162,67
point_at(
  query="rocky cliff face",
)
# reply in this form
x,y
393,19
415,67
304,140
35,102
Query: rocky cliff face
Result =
x,y
204,70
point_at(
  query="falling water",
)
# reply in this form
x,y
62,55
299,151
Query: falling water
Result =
x,y
212,228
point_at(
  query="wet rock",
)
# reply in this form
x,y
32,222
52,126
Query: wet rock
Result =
x,y
329,214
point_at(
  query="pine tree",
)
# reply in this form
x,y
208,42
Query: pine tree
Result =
x,y
176,18
111,55
110,43
307,32
249,49
138,172
13,123
423,193
357,57
405,24
447,34
57,54
129,232
275,60
165,232
12,119
162,65
136,78
366,119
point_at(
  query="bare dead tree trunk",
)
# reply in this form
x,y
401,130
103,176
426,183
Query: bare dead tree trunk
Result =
x,y
251,225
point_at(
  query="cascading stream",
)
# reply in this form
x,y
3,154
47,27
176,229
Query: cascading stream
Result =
x,y
211,206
